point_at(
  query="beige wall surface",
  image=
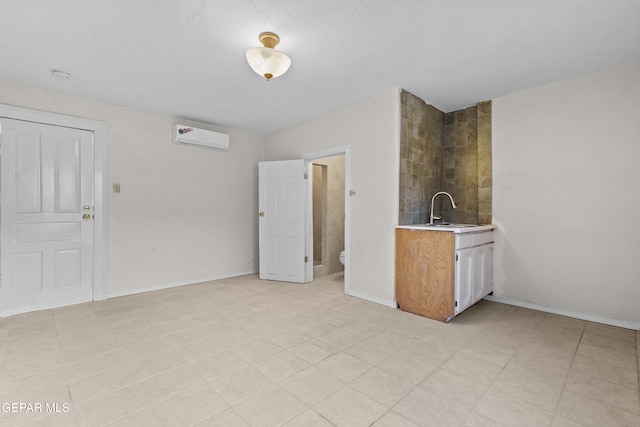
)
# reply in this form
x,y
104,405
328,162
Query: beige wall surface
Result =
x,y
371,128
565,195
184,214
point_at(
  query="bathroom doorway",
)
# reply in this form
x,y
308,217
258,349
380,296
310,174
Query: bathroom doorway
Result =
x,y
328,215
329,208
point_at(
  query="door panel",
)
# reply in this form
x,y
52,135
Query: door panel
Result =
x,y
26,159
67,182
464,279
47,187
483,257
282,222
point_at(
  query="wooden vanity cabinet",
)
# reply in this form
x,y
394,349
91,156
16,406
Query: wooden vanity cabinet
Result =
x,y
425,273
439,274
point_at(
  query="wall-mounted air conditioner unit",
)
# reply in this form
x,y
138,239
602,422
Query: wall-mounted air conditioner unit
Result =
x,y
200,137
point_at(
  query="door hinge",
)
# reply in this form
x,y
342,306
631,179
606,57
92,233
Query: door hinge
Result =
x,y
456,257
306,175
455,303
306,259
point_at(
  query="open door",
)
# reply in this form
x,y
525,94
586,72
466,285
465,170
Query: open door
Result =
x,y
282,221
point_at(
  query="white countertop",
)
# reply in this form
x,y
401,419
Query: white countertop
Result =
x,y
451,228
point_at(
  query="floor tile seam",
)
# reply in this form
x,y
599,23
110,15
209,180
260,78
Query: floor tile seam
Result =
x,y
408,393
23,359
236,404
111,423
539,409
133,382
376,365
172,395
342,386
199,420
9,337
36,373
600,401
112,339
93,374
256,392
351,381
35,331
501,366
566,378
2,348
615,408
486,391
604,380
613,338
179,346
321,416
40,416
137,381
23,395
306,408
621,341
129,364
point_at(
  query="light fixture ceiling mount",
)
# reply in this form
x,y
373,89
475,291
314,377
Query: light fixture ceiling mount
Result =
x,y
60,74
267,61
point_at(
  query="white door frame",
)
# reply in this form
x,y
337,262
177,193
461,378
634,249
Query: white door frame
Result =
x,y
99,130
330,152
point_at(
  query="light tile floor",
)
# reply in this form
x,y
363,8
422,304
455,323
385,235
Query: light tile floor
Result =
x,y
243,352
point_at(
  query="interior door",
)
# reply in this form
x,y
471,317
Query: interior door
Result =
x,y
46,216
282,221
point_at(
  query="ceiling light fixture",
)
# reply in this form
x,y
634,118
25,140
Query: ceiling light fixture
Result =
x,y
267,61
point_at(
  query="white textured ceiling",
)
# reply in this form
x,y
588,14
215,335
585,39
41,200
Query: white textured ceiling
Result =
x,y
185,58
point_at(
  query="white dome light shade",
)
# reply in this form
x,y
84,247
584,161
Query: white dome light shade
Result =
x,y
267,61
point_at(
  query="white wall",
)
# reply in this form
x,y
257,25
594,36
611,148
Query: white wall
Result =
x,y
184,214
371,127
566,196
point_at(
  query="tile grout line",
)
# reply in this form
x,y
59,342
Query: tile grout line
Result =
x,y
64,366
555,411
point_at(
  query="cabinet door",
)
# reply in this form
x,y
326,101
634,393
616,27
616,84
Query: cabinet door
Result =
x,y
464,279
483,271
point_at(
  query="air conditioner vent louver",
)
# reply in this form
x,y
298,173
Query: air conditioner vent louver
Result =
x,y
190,135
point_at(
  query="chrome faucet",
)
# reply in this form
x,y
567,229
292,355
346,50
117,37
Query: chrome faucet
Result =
x,y
453,204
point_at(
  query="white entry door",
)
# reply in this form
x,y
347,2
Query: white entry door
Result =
x,y
282,221
46,255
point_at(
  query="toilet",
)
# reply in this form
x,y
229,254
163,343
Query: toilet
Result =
x,y
341,257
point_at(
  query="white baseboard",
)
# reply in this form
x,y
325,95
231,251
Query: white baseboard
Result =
x,y
567,313
150,288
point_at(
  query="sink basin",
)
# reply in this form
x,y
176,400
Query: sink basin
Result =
x,y
448,224
449,227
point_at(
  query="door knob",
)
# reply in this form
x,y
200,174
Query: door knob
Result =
x,y
86,208
261,214
86,217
